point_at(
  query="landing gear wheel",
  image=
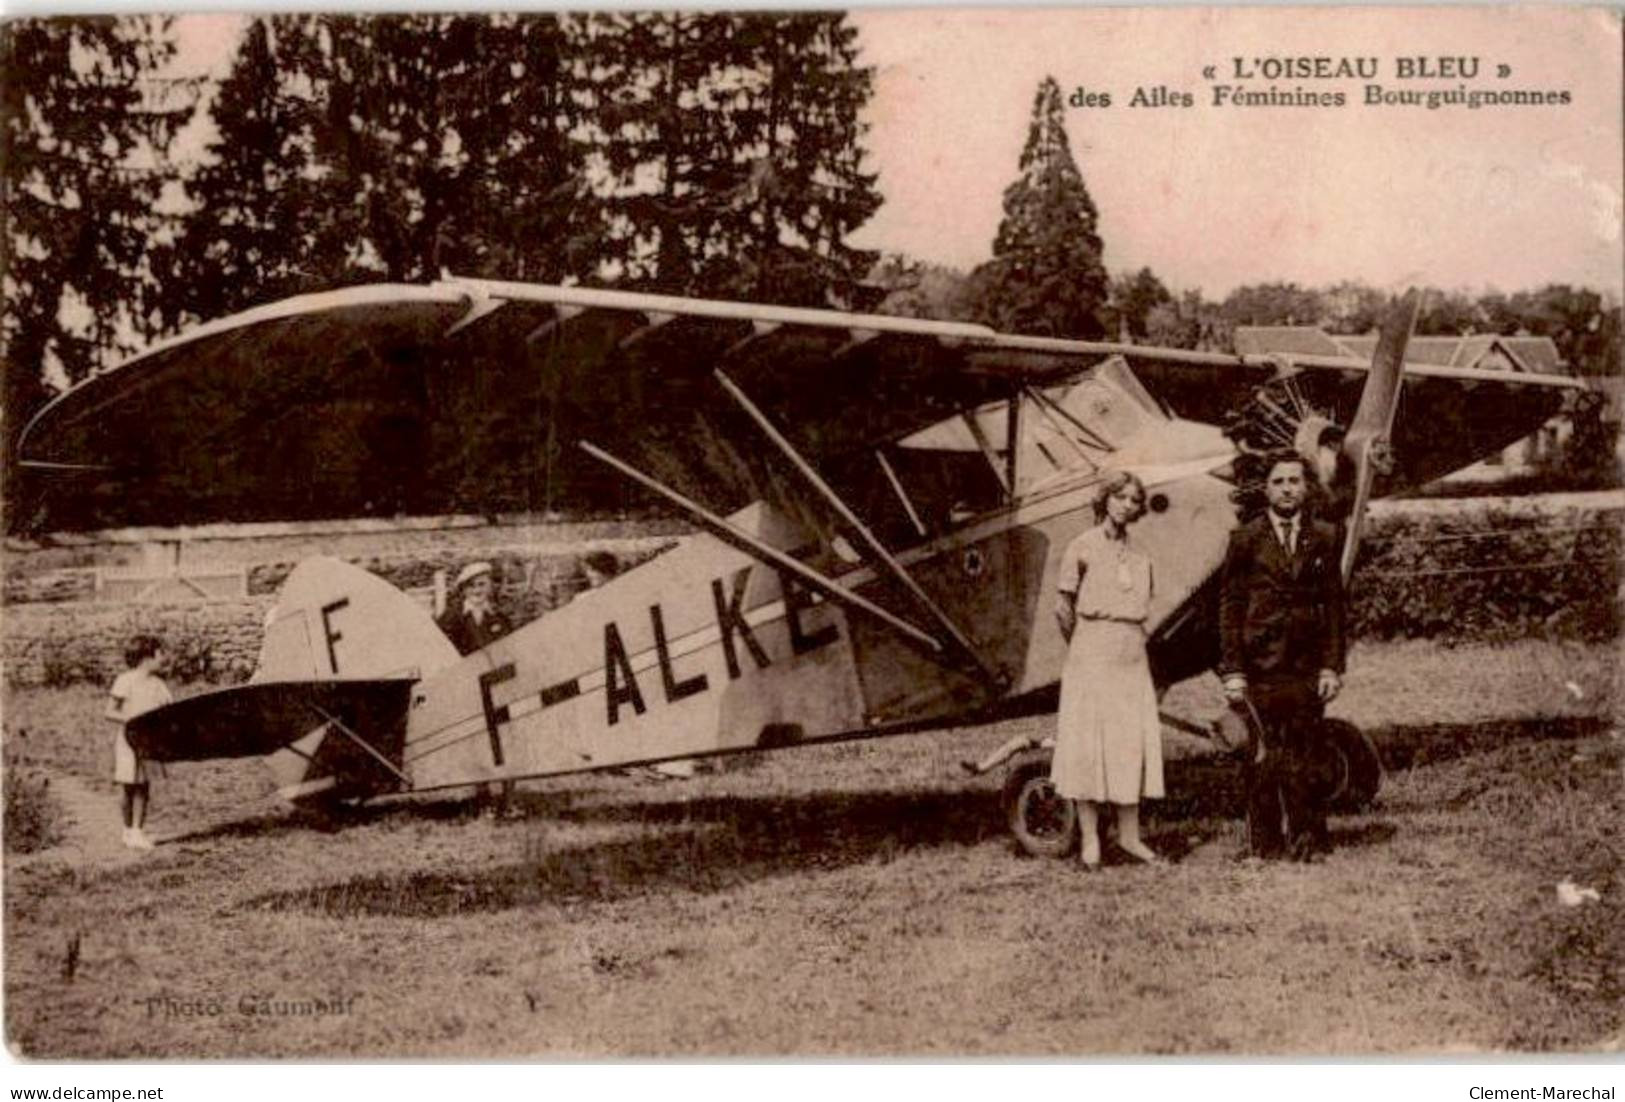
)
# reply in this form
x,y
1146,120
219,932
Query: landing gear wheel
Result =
x,y
1351,767
1045,824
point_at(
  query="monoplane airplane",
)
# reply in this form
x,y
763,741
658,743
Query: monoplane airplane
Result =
x,y
882,502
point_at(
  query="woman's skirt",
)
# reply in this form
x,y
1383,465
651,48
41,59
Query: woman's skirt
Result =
x,y
1108,739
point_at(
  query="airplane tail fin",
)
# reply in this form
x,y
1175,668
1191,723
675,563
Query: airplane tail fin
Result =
x,y
337,622
334,620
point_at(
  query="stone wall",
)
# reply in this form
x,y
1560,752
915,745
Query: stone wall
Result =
x,y
62,643
56,631
1451,571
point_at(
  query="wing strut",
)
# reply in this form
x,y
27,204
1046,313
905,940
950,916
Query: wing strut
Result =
x,y
1013,440
992,457
902,494
1042,406
744,541
878,549
344,730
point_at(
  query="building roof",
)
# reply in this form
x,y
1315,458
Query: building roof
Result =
x,y
1485,351
1538,354
1286,340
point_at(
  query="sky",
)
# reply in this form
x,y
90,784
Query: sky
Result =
x,y
1212,197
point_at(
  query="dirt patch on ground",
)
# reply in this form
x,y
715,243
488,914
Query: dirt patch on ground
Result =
x,y
860,899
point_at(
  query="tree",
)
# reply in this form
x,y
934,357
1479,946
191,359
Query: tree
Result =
x,y
734,146
353,149
1453,314
919,289
87,123
1584,326
1351,307
1046,276
1132,298
1189,322
1273,304
252,234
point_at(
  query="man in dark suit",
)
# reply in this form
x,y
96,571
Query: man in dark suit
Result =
x,y
1281,639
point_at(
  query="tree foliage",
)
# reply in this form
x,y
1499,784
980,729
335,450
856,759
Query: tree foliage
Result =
x,y
712,153
1133,297
912,288
1046,276
734,147
248,237
1190,321
1273,304
352,149
86,127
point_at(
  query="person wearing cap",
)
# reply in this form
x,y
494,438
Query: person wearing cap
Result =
x,y
472,620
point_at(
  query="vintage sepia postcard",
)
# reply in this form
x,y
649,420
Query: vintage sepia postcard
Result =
x,y
714,534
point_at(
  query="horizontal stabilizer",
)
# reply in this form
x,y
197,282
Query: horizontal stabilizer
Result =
x,y
260,718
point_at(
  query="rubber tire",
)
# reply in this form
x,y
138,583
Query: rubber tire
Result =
x,y
1044,825
1354,766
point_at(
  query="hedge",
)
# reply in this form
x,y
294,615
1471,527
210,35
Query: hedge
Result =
x,y
1451,574
1489,575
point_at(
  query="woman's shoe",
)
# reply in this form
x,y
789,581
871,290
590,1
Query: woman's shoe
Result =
x,y
1090,862
1144,855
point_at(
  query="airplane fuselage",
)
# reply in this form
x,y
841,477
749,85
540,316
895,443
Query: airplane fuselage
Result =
x,y
705,650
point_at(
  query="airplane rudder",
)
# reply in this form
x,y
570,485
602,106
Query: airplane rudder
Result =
x,y
336,620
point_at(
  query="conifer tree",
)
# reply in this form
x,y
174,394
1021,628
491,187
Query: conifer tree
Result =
x,y
1046,276
86,124
734,146
356,148
253,233
799,135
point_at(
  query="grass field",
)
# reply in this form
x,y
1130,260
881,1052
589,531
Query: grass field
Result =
x,y
857,899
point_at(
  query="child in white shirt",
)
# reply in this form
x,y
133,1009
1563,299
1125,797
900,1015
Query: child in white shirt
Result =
x,y
138,689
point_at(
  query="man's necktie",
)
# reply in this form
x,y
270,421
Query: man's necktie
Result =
x,y
1287,539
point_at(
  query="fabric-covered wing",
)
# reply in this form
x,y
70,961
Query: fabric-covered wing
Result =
x,y
458,398
469,395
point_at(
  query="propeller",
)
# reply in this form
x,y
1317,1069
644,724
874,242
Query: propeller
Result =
x,y
1367,441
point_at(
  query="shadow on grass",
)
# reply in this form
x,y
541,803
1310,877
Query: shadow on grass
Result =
x,y
449,806
703,845
1363,835
1411,746
715,842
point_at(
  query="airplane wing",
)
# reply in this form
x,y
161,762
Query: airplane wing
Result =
x,y
468,395
261,718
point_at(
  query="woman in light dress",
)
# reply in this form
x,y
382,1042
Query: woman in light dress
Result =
x,y
1108,742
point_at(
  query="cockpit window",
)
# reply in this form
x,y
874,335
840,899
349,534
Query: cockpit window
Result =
x,y
961,467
